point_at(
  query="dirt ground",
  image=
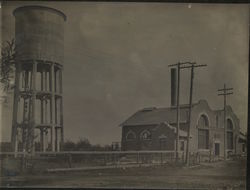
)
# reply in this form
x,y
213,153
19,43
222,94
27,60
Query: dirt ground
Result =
x,y
218,175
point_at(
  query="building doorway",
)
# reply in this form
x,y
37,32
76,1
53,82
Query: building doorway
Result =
x,y
217,149
163,144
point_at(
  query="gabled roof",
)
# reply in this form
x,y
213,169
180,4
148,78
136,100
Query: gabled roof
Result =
x,y
153,116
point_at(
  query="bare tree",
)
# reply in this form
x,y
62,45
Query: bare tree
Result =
x,y
7,64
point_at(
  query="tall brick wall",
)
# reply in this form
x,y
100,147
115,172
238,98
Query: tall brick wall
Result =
x,y
152,144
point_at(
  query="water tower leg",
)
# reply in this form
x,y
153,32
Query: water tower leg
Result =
x,y
56,139
32,127
62,140
52,105
61,110
15,108
16,144
41,140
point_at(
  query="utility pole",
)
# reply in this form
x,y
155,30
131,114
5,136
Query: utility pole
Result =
x,y
178,65
225,92
190,106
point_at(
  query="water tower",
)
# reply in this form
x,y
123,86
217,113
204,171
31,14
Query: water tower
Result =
x,y
38,102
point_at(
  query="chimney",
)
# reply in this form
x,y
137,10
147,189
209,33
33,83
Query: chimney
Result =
x,y
173,87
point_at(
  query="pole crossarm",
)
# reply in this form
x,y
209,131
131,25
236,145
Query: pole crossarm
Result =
x,y
181,63
225,94
223,89
185,67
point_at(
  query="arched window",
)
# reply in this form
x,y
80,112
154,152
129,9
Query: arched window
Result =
x,y
203,122
229,125
145,135
230,135
131,136
203,132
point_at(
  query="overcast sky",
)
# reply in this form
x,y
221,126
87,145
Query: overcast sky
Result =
x,y
117,57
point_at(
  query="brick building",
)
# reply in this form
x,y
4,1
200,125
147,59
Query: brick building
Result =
x,y
155,129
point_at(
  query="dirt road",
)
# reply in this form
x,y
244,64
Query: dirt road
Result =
x,y
219,175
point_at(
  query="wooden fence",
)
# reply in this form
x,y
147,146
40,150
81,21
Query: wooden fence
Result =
x,y
42,161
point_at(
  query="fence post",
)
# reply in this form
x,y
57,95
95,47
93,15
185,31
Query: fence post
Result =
x,y
70,160
105,159
183,157
196,158
115,159
190,157
137,158
210,156
161,159
23,162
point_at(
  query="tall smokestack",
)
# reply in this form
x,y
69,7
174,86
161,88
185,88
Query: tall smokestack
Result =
x,y
173,87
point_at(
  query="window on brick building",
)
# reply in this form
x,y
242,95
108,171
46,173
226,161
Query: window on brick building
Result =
x,y
131,135
182,146
203,132
230,134
145,135
203,139
243,148
203,121
163,143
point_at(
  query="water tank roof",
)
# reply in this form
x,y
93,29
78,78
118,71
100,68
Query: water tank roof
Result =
x,y
41,8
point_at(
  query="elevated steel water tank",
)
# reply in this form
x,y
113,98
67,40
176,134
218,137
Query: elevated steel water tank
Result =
x,y
39,33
